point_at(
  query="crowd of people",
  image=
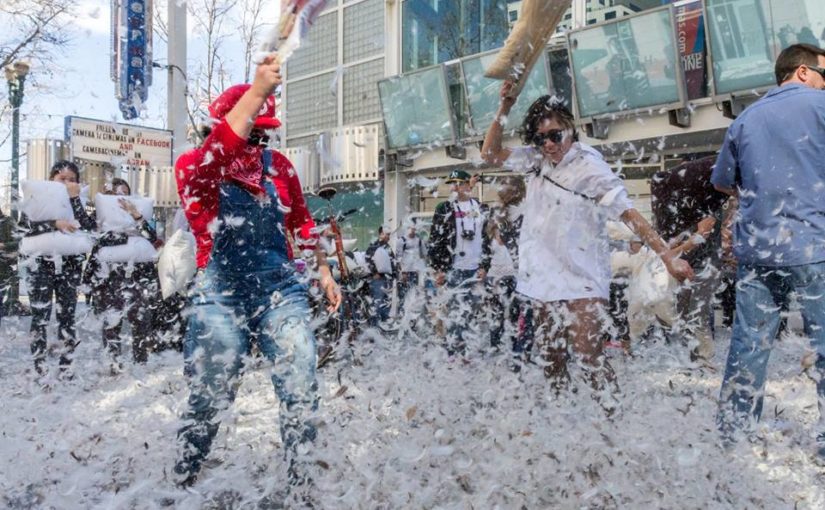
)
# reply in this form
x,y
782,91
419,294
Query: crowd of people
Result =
x,y
534,269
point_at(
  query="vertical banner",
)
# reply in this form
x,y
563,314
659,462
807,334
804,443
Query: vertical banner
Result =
x,y
690,37
132,53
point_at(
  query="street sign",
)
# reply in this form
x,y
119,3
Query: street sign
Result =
x,y
118,144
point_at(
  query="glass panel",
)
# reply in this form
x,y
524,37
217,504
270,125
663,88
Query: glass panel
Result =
x,y
360,94
747,35
483,93
435,31
416,109
739,38
363,30
690,37
626,65
320,49
313,105
560,75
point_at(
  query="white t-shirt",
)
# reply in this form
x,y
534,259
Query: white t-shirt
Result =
x,y
468,218
381,259
564,248
408,250
501,262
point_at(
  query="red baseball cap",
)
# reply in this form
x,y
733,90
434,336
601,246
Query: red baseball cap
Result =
x,y
229,98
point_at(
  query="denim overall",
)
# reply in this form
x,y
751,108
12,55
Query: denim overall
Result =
x,y
247,294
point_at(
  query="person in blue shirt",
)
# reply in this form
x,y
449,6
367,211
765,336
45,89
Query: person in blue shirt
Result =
x,y
772,159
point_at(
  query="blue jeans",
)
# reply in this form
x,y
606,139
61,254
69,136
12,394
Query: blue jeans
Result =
x,y
761,292
381,293
229,313
461,308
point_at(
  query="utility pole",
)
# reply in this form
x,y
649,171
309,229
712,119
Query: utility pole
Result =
x,y
176,112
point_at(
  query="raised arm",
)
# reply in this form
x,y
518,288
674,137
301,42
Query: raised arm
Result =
x,y
491,151
677,267
267,76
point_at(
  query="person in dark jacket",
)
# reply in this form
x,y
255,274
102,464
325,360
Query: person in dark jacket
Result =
x,y
56,276
455,253
124,290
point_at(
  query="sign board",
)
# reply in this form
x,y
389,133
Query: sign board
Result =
x,y
118,144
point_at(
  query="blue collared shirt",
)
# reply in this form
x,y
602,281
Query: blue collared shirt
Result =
x,y
774,153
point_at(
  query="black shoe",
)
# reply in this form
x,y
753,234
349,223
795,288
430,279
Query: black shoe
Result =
x,y
185,474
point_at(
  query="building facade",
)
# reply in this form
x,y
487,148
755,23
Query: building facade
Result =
x,y
637,75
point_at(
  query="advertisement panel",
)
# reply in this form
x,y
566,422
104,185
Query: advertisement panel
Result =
x,y
118,144
690,38
131,53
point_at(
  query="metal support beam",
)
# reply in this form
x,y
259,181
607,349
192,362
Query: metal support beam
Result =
x,y
177,115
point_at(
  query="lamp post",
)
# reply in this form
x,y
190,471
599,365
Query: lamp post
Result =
x,y
16,78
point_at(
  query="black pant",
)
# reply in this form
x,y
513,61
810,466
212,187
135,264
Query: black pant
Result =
x,y
61,280
128,293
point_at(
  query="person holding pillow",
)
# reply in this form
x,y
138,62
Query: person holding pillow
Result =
x,y
123,275
52,273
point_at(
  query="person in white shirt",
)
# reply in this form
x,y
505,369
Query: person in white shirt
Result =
x,y
382,268
411,254
564,256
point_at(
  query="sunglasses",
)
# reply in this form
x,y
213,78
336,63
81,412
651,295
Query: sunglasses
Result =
x,y
555,135
817,69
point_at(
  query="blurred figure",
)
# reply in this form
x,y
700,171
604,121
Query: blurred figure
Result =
x,y
8,259
411,254
688,211
500,261
382,266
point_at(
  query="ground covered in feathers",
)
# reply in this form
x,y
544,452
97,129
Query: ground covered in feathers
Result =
x,y
401,426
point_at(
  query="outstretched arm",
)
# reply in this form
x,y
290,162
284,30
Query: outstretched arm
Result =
x,y
677,267
491,151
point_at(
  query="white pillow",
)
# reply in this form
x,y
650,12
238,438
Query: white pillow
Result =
x,y
137,249
176,263
112,218
46,201
56,243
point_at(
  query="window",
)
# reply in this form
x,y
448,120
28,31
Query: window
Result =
x,y
626,65
513,16
435,31
746,36
610,15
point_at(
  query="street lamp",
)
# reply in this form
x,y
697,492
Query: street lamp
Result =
x,y
16,78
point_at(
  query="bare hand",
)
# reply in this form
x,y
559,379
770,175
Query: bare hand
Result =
x,y
678,268
482,274
73,188
267,75
331,291
506,89
66,226
130,208
440,278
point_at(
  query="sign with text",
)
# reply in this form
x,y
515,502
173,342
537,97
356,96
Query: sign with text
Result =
x,y
118,144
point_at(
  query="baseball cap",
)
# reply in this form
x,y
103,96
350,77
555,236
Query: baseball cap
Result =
x,y
229,98
458,176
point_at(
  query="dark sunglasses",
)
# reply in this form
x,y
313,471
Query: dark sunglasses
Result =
x,y
820,70
555,135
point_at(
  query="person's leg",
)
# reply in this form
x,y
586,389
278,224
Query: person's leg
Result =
x,y
460,284
696,311
111,303
140,309
758,300
41,287
213,349
380,302
587,324
549,328
66,285
285,338
809,287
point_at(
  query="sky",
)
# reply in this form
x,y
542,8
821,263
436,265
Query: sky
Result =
x,y
82,86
